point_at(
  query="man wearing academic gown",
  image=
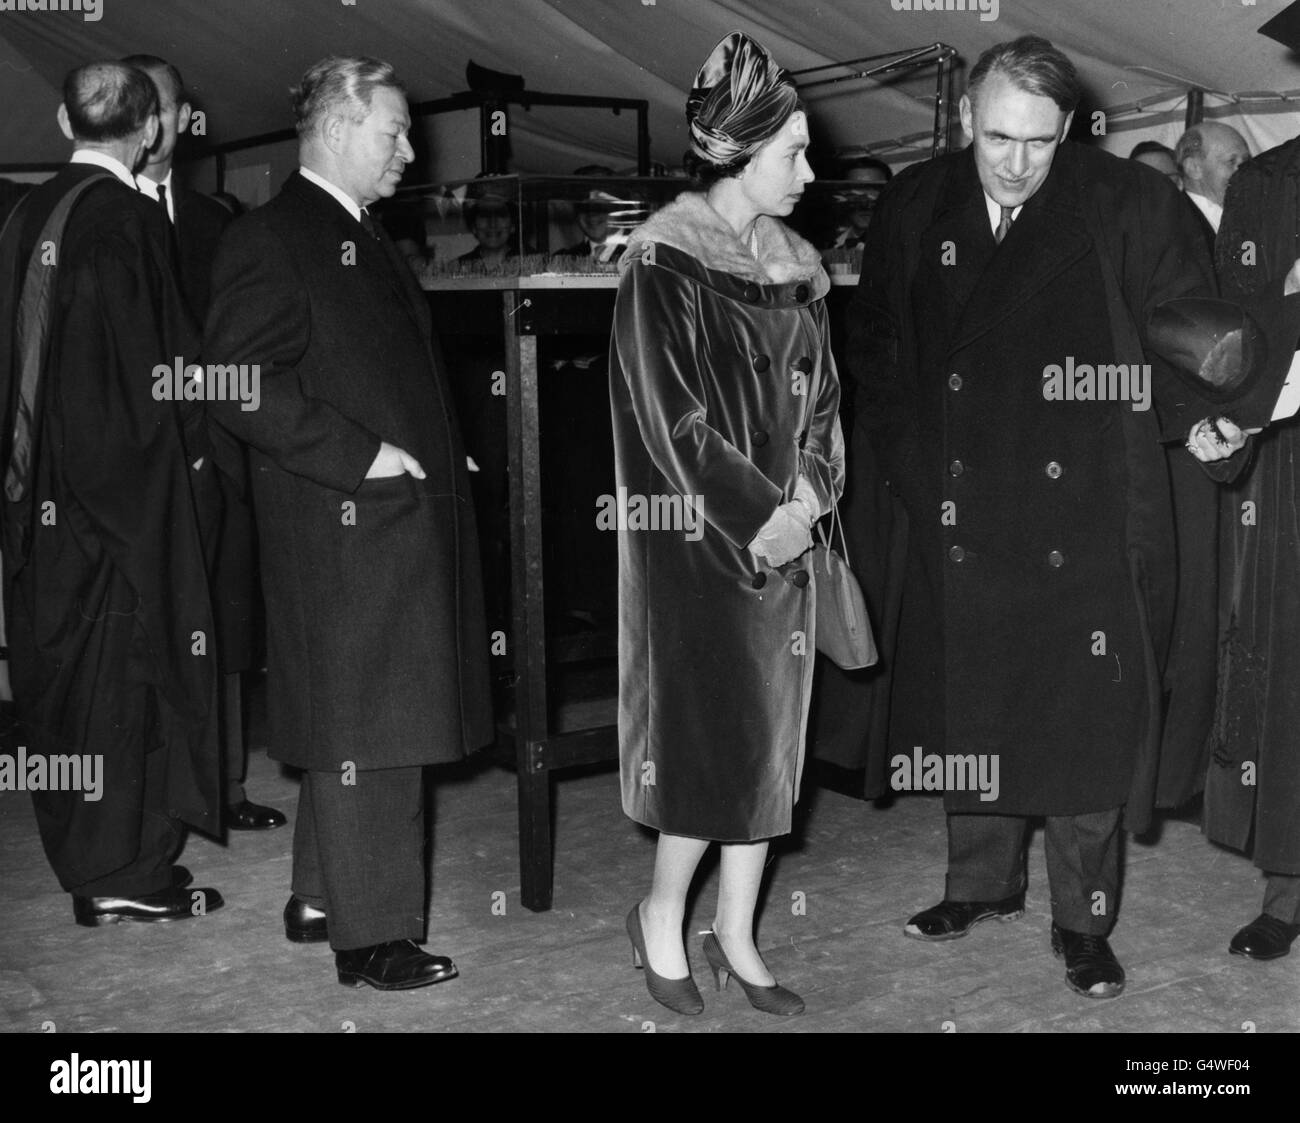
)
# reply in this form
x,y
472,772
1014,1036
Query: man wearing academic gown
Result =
x,y
110,624
196,224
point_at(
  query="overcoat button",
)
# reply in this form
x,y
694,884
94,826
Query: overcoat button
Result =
x,y
803,365
752,293
759,439
956,468
800,579
956,553
1056,559
954,381
801,294
1053,470
761,363
760,579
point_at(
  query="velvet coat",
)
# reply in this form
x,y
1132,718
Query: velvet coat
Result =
x,y
376,641
1033,577
1257,726
723,388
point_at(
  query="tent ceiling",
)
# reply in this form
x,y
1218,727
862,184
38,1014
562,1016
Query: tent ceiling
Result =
x,y
240,58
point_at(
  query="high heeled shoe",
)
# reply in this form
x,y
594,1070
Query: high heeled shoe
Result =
x,y
680,995
775,999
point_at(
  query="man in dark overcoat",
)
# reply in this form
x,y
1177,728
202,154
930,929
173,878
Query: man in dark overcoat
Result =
x,y
376,642
106,591
1037,598
196,224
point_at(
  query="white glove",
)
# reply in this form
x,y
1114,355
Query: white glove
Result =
x,y
806,493
786,535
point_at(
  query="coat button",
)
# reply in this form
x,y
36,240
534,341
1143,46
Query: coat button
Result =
x,y
1056,559
803,364
800,579
761,363
956,468
759,439
1053,470
801,294
956,553
760,579
752,293
954,381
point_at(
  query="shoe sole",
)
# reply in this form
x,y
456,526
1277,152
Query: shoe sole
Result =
x,y
943,937
104,919
1256,956
348,979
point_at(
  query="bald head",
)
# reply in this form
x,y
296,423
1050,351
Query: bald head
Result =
x,y
112,108
1207,155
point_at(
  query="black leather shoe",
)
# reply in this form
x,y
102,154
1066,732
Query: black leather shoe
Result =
x,y
396,965
153,908
181,877
245,816
949,920
304,923
1091,968
1265,937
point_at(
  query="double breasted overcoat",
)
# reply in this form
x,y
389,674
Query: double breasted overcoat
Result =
x,y
376,641
723,390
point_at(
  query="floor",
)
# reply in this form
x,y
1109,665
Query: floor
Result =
x,y
837,896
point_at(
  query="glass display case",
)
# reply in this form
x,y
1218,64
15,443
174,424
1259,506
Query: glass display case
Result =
x,y
524,231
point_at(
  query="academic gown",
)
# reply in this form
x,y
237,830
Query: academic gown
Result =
x,y
109,618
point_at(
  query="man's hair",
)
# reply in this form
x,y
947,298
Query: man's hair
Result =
x,y
1032,64
853,163
340,85
152,64
1191,143
108,101
1151,148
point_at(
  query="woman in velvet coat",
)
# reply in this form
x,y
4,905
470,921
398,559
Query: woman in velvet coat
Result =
x,y
724,394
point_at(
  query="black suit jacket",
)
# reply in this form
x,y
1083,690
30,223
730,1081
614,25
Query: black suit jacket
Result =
x,y
377,646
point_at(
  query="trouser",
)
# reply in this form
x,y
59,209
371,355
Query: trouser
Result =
x,y
358,853
1282,897
233,747
986,862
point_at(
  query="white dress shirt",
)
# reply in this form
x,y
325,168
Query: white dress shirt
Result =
x,y
995,212
1213,211
346,201
105,161
149,189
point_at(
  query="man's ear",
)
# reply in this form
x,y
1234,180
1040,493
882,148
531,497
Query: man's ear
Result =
x,y
64,124
183,117
331,131
1065,128
150,131
967,116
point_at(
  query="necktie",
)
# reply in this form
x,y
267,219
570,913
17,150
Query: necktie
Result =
x,y
368,223
1004,225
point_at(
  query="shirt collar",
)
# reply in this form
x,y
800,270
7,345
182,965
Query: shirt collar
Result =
x,y
345,200
105,161
995,211
149,189
1213,211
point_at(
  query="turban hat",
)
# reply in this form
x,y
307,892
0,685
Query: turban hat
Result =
x,y
740,99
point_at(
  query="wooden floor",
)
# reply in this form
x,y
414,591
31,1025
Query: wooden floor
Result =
x,y
837,896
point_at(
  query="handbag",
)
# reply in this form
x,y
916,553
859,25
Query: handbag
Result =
x,y
843,629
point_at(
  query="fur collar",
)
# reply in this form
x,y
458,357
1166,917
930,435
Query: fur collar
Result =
x,y
689,224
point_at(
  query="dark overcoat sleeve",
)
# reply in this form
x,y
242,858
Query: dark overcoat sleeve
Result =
x,y
261,314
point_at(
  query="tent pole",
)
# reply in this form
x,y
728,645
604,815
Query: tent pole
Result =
x,y
1195,107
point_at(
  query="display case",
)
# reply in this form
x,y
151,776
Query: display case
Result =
x,y
564,231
